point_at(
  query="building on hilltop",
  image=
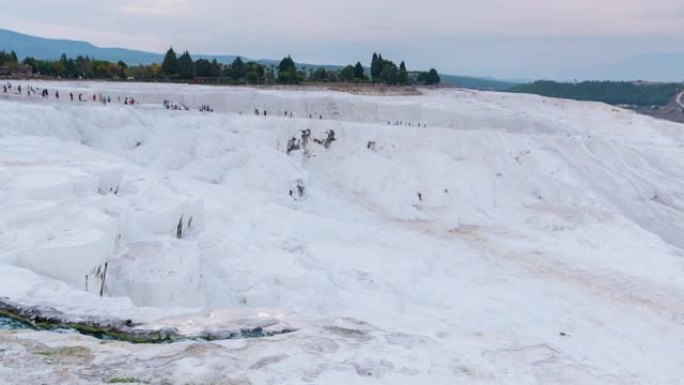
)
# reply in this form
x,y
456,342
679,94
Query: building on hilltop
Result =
x,y
19,71
413,76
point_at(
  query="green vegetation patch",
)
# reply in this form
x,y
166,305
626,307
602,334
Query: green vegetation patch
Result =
x,y
616,93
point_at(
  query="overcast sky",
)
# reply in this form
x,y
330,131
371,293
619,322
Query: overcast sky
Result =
x,y
504,38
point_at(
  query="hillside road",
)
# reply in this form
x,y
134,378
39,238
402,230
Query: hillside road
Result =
x,y
680,99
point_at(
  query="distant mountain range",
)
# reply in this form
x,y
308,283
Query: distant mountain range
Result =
x,y
51,49
478,83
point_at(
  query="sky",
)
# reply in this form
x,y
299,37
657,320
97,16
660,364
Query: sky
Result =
x,y
515,39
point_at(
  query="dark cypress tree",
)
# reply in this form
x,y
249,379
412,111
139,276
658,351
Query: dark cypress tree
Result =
x,y
403,74
185,67
287,71
432,77
215,68
168,66
14,57
358,71
375,67
203,68
238,70
287,64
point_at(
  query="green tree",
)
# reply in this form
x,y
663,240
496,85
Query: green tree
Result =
x,y
287,77
238,70
227,72
44,67
302,73
68,66
287,71
215,68
203,68
169,64
320,74
389,73
432,77
185,67
358,71
252,77
8,57
347,74
258,70
207,69
57,68
375,68
403,74
124,68
82,65
333,76
286,64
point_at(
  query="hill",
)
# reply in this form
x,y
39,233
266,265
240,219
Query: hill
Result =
x,y
51,49
610,92
476,83
667,67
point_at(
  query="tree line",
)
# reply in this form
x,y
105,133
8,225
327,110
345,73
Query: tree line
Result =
x,y
610,92
287,72
8,57
80,67
183,68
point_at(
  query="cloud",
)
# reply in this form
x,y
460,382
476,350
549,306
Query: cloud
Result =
x,y
157,8
462,35
357,20
675,12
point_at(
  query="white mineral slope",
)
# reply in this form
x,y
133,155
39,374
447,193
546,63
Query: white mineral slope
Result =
x,y
512,240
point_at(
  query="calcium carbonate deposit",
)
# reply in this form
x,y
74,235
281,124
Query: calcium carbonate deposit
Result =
x,y
452,237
